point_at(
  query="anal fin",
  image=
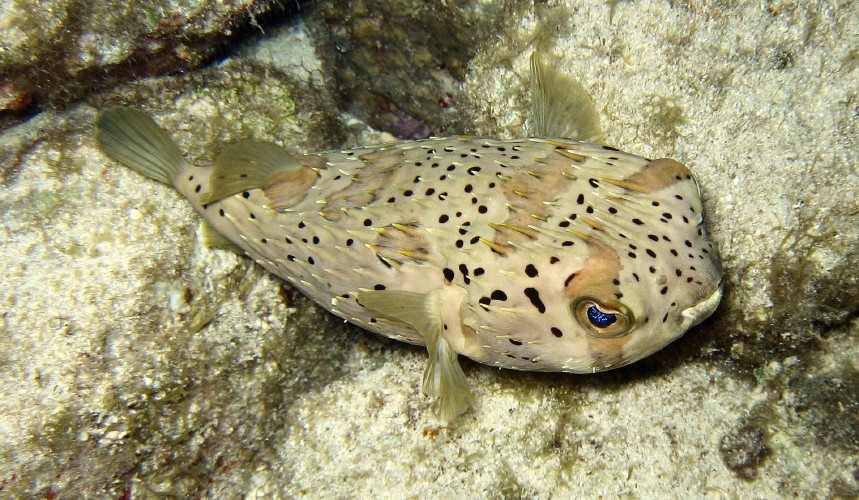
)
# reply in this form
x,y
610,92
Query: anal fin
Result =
x,y
443,377
211,238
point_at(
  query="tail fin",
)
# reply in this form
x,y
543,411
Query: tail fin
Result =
x,y
132,138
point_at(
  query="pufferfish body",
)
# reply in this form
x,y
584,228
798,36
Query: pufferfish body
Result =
x,y
541,254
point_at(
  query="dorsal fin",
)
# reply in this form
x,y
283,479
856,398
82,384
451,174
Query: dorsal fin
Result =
x,y
250,165
562,107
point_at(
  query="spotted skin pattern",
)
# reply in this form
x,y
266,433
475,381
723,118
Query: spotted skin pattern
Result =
x,y
516,233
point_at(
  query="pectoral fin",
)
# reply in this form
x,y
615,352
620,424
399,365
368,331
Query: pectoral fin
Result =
x,y
443,377
562,107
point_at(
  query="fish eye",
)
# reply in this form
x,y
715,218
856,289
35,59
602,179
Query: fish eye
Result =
x,y
603,320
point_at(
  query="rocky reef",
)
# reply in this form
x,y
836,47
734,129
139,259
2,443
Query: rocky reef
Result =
x,y
138,363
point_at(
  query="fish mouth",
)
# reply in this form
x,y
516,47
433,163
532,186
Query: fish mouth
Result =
x,y
702,309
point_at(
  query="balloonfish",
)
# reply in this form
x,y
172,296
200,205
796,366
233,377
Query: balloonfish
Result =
x,y
546,253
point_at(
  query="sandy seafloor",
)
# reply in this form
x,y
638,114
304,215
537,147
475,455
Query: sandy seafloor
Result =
x,y
136,361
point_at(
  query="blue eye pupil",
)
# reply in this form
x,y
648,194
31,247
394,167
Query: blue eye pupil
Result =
x,y
600,319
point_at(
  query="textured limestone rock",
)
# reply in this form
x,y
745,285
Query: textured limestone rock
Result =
x,y
137,363
128,348
399,64
56,53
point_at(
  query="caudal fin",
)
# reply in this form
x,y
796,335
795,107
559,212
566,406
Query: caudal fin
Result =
x,y
132,138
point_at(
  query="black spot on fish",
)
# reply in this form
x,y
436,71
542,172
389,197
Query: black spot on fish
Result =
x,y
448,274
349,242
638,221
464,270
569,279
557,332
221,211
198,188
554,260
482,209
368,222
499,295
443,218
378,287
651,253
534,296
311,261
531,271
593,182
580,199
246,195
515,342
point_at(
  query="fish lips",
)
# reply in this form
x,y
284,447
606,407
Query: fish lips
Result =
x,y
702,309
